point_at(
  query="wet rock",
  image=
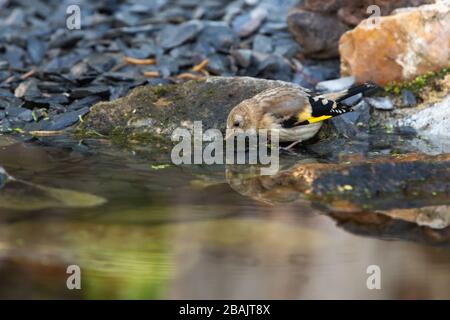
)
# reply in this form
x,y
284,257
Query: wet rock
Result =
x,y
317,33
435,217
384,183
157,111
172,36
415,40
352,124
381,103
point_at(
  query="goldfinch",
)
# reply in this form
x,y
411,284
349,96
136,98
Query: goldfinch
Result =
x,y
296,114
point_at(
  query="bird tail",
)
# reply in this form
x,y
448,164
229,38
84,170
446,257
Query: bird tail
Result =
x,y
353,91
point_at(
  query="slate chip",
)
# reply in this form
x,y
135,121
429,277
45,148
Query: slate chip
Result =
x,y
27,88
65,120
99,90
172,36
36,50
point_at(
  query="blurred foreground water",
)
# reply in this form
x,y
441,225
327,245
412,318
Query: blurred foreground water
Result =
x,y
153,231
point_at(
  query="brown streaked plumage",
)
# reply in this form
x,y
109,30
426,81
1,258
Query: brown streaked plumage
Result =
x,y
296,114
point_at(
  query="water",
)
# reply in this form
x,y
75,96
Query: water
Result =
x,y
183,232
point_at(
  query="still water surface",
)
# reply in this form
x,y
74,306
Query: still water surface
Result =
x,y
178,232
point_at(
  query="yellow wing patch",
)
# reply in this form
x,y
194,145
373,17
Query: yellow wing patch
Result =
x,y
318,119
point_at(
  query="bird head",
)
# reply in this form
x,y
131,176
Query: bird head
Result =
x,y
241,117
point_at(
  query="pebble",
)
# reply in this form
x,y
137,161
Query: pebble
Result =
x,y
262,44
245,25
408,99
336,84
65,120
381,103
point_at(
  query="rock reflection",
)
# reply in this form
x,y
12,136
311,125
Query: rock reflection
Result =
x,y
403,196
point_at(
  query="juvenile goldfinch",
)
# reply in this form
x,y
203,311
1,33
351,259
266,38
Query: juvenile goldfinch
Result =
x,y
296,114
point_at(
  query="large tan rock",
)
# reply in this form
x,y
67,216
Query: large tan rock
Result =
x,y
317,25
402,46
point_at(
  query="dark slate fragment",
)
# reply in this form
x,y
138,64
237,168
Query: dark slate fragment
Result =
x,y
219,36
13,112
286,47
175,15
65,39
99,90
27,88
141,50
172,36
36,50
26,116
408,99
273,27
262,44
65,120
275,67
167,66
5,126
4,75
53,87
246,24
15,56
217,64
84,102
348,126
6,93
243,57
45,101
101,62
10,102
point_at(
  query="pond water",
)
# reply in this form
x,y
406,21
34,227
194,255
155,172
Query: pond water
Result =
x,y
168,232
